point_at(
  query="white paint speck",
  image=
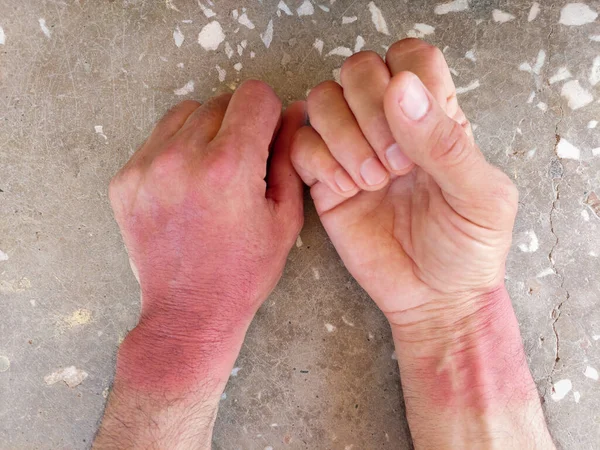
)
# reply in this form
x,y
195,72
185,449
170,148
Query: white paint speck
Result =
x,y
330,328
420,30
3,256
533,12
595,37
99,129
211,36
336,74
180,65
347,322
542,106
238,66
235,371
178,37
575,14
244,43
70,375
243,20
4,363
531,153
224,396
44,27
316,274
596,337
576,396
592,124
470,55
596,151
531,97
2,36
472,85
532,245
305,9
282,6
170,5
593,254
267,36
595,71
349,19
324,8
378,19
455,6
560,75
299,242
268,448
577,97
539,62
222,73
228,50
252,55
537,67
566,150
207,11
591,373
360,43
585,215
340,51
501,16
318,45
560,389
453,71
545,273
394,356
185,90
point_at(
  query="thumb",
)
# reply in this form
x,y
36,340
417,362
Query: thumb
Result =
x,y
440,146
284,186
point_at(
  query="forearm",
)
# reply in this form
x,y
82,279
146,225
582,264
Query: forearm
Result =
x,y
170,375
465,377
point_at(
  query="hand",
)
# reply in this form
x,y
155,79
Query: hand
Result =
x,y
208,217
440,226
205,233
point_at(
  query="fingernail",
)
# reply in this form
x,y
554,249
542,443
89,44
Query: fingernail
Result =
x,y
414,103
344,181
396,159
373,172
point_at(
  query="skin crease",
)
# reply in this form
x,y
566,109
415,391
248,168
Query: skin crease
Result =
x,y
208,215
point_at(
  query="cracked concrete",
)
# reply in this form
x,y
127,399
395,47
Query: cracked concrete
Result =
x,y
81,96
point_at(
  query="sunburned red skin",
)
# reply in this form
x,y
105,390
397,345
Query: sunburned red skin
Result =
x,y
476,363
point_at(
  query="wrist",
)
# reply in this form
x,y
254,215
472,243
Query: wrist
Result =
x,y
462,362
174,352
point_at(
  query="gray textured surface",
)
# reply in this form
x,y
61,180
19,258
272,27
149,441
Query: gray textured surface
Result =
x,y
114,63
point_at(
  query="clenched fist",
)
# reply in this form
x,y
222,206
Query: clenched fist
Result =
x,y
411,205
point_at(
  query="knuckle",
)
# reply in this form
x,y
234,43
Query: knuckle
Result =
x,y
412,45
449,144
358,62
222,165
321,93
260,91
169,163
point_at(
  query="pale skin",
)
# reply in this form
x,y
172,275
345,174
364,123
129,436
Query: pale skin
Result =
x,y
417,215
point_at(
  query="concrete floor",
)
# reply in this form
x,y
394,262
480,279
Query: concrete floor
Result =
x,y
81,85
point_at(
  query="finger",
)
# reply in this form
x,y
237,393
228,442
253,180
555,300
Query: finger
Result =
x,y
364,78
251,120
173,120
332,118
314,162
284,186
439,145
428,63
205,122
